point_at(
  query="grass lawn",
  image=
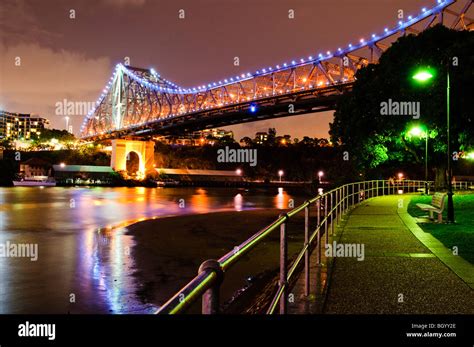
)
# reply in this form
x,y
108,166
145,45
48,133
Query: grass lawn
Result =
x,y
460,234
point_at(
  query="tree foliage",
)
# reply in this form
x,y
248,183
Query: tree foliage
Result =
x,y
373,139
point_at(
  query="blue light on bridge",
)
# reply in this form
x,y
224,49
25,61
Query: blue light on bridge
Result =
x,y
253,108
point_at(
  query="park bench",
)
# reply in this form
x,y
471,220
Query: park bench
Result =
x,y
437,205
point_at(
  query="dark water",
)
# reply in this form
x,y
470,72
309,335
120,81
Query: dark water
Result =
x,y
84,260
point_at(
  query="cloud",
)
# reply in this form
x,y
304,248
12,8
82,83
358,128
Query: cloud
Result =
x,y
45,77
18,23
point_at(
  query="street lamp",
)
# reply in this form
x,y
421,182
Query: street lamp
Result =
x,y
422,76
280,173
420,132
67,123
320,175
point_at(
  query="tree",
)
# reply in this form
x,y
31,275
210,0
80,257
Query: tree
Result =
x,y
271,136
60,135
6,144
246,141
226,141
375,140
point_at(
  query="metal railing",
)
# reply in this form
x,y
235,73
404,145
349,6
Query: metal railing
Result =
x,y
330,207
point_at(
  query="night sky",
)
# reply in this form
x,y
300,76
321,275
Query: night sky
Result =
x,y
64,58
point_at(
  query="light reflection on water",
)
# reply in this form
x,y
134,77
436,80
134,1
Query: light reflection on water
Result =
x,y
84,253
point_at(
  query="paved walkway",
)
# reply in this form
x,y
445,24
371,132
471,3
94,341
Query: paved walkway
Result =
x,y
405,270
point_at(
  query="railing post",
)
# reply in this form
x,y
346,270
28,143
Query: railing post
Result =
x,y
210,298
347,197
318,237
306,253
332,215
383,187
353,194
343,199
339,206
283,264
377,187
341,202
336,206
326,217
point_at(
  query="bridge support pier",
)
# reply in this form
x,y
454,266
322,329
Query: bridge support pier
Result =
x,y
122,149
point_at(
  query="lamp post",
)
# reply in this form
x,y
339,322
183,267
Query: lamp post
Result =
x,y
418,131
423,76
450,185
280,173
320,175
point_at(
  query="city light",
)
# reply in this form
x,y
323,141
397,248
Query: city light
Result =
x,y
422,132
253,108
422,76
280,173
416,131
238,172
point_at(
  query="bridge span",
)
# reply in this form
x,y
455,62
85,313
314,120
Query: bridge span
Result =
x,y
139,102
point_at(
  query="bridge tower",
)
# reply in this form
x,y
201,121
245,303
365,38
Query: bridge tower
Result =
x,y
124,149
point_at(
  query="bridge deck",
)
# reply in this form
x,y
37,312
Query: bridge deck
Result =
x,y
401,262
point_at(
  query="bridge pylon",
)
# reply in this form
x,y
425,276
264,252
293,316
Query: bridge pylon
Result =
x,y
123,150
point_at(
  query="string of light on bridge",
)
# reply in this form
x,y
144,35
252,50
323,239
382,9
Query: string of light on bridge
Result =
x,y
340,52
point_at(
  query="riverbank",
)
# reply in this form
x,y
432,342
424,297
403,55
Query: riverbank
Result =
x,y
168,251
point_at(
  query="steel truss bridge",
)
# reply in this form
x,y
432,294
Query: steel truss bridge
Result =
x,y
139,102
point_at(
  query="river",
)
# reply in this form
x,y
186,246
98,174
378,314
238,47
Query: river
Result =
x,y
83,264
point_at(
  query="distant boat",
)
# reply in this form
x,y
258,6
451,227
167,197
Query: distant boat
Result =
x,y
170,183
35,181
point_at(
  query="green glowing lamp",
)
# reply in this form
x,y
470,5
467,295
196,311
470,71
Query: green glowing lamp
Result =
x,y
422,76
